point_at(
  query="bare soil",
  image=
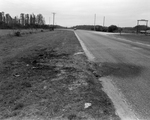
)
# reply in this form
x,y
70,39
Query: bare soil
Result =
x,y
46,76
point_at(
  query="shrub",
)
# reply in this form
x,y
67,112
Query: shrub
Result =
x,y
112,28
17,33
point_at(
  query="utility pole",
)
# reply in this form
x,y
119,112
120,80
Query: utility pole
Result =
x,y
49,24
53,19
103,21
49,21
94,21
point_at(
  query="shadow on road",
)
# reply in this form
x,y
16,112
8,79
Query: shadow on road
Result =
x,y
120,70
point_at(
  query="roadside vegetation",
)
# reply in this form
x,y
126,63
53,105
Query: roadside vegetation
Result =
x,y
47,76
25,21
115,28
20,32
142,38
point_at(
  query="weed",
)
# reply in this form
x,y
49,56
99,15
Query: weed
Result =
x,y
18,34
19,106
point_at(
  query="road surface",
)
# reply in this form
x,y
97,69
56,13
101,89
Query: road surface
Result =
x,y
127,81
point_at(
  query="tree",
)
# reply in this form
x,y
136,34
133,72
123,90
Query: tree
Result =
x,y
98,28
112,28
104,29
40,19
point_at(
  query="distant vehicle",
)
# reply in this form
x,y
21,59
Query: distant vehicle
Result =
x,y
75,28
145,32
142,31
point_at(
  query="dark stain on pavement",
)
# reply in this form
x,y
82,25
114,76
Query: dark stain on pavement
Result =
x,y
122,70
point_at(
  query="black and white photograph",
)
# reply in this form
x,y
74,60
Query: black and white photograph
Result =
x,y
74,59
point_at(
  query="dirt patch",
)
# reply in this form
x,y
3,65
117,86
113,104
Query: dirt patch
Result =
x,y
120,70
46,78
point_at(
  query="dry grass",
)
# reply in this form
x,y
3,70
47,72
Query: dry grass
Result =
x,y
135,37
43,78
10,32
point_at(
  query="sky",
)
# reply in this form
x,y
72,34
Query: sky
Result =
x,y
123,13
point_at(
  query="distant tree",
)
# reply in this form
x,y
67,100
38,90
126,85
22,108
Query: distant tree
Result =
x,y
84,27
139,28
112,28
40,19
25,21
104,29
31,19
98,28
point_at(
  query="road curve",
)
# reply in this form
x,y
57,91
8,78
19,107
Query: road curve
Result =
x,y
128,80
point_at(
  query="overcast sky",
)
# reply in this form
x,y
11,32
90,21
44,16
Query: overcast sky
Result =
x,y
81,12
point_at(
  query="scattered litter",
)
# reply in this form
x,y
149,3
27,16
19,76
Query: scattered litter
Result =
x,y
34,67
74,86
78,53
58,75
86,105
70,88
44,87
62,71
94,72
77,84
16,75
85,84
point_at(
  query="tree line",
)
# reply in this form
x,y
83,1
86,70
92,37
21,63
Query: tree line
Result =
x,y
111,28
24,21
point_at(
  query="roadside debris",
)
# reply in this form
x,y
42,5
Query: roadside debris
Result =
x,y
16,75
86,105
78,53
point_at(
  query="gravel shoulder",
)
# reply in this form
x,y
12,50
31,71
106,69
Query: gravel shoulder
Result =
x,y
46,76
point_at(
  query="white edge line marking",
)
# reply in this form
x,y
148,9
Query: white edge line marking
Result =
x,y
87,52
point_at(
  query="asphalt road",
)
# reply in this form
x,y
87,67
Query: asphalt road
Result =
x,y
128,66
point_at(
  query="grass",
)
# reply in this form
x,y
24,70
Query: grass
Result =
x,y
6,32
42,77
135,37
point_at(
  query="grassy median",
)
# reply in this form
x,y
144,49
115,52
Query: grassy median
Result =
x,y
47,76
142,38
